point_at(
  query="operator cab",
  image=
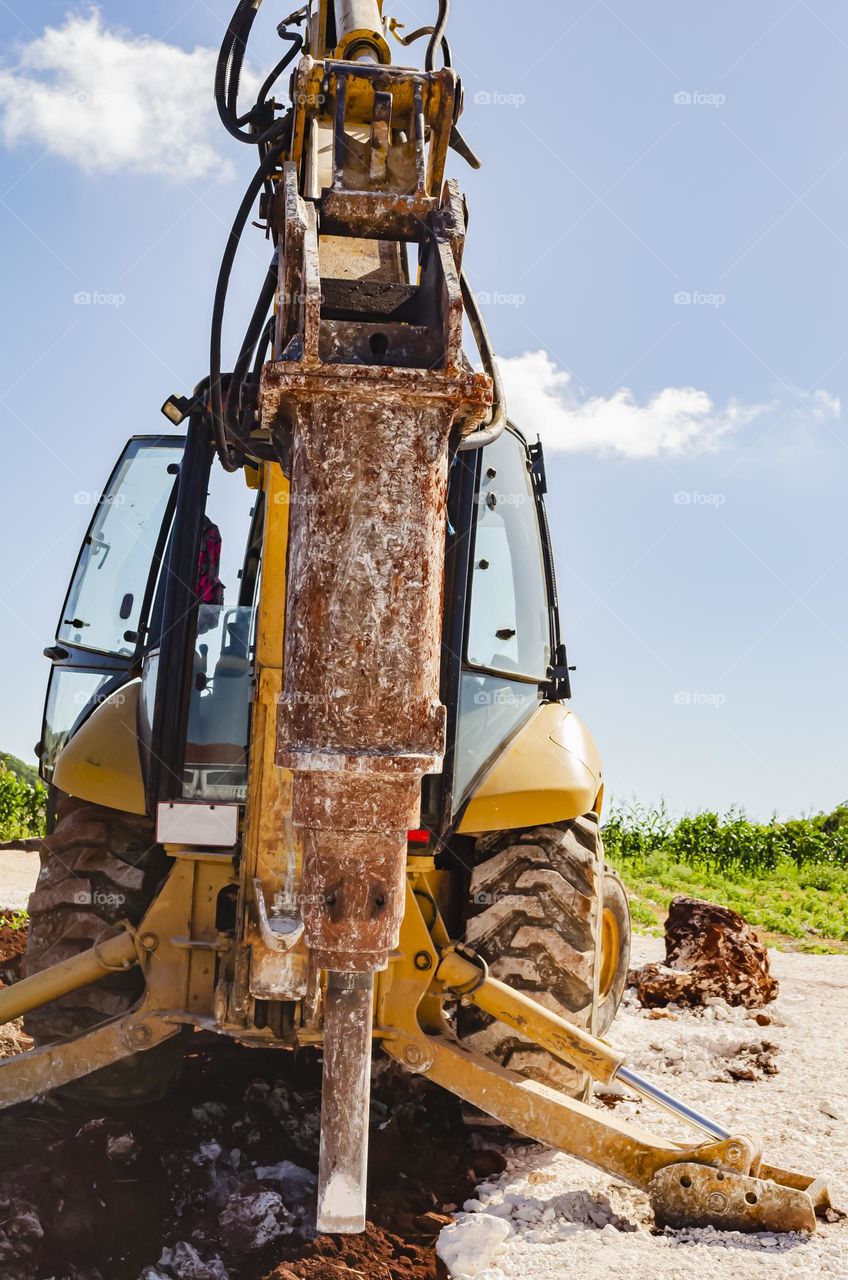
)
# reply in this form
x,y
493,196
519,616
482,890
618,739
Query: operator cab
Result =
x,y
128,623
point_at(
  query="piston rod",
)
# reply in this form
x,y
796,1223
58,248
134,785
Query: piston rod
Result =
x,y
571,1044
681,1110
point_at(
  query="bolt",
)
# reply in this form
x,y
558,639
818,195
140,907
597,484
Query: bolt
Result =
x,y
413,1055
423,960
139,1035
734,1152
148,941
717,1201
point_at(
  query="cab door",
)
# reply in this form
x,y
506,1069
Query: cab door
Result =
x,y
103,627
511,656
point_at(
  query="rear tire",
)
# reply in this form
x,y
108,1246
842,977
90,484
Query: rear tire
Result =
x,y
98,866
534,917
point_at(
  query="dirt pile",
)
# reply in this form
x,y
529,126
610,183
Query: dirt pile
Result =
x,y
377,1253
217,1182
13,940
710,952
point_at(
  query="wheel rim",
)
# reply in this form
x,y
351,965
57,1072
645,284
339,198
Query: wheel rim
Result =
x,y
610,951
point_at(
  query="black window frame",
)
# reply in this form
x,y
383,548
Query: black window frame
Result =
x,y
118,669
536,472
440,812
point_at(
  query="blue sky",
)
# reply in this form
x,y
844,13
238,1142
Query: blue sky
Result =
x,y
661,230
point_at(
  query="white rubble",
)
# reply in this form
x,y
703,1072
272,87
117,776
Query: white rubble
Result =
x,y
567,1220
185,1263
469,1244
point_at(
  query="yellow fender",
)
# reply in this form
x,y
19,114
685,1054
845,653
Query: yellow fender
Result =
x,y
101,762
549,772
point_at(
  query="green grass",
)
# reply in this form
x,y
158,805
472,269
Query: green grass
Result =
x,y
789,880
14,920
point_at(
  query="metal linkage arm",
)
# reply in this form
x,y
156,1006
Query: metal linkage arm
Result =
x,y
104,957
722,1182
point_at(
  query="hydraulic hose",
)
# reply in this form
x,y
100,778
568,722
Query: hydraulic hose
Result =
x,y
228,71
437,36
229,65
497,418
219,426
447,57
248,346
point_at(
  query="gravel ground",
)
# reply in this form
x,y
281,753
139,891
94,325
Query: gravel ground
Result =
x,y
18,874
785,1081
551,1218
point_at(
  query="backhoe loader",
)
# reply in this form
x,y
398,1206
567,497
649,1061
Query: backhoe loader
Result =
x,y
315,779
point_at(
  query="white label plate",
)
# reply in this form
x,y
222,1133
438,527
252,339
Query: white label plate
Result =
x,y
207,824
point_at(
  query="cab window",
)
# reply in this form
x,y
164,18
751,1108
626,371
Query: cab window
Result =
x,y
508,641
110,589
509,621
215,764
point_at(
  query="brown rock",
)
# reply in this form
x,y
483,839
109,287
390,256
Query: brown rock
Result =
x,y
432,1223
710,951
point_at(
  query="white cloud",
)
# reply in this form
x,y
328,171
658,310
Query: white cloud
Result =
x,y
111,101
677,420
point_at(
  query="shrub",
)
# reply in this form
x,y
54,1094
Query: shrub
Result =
x,y
22,807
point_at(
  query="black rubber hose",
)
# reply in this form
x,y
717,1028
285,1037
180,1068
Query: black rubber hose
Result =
x,y
228,76
447,57
238,49
235,35
264,343
248,346
297,44
436,37
219,426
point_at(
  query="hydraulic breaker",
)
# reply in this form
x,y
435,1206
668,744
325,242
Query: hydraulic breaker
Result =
x,y
368,391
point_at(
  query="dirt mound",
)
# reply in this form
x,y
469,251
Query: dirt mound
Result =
x,y
217,1182
13,939
377,1253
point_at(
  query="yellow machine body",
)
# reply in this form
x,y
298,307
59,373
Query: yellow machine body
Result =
x,y
205,968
